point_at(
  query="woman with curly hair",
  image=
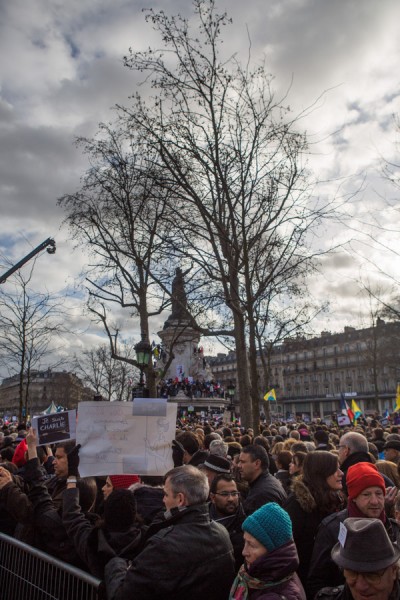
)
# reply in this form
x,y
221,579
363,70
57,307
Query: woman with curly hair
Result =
x,y
316,494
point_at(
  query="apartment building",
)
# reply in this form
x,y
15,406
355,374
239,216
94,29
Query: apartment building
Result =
x,y
61,387
310,374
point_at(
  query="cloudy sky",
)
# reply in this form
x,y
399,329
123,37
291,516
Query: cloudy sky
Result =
x,y
61,72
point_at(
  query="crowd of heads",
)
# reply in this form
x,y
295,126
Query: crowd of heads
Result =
x,y
340,468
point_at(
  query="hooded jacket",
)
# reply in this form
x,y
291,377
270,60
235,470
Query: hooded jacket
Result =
x,y
96,546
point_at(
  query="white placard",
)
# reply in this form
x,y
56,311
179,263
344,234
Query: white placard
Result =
x,y
116,442
342,534
55,427
343,420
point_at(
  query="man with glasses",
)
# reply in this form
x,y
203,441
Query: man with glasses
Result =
x,y
369,562
226,508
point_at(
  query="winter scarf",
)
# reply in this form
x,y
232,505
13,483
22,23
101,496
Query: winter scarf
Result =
x,y
354,511
244,583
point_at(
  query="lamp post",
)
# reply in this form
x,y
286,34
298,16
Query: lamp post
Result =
x,y
143,355
231,393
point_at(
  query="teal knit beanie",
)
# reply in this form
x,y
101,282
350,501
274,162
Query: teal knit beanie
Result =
x,y
270,525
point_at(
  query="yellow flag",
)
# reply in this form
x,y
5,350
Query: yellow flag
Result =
x,y
356,409
270,396
398,397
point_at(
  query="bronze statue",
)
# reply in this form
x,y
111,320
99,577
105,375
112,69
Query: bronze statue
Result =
x,y
179,300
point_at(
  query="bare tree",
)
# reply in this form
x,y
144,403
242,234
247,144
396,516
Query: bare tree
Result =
x,y
107,376
234,155
120,215
30,323
116,215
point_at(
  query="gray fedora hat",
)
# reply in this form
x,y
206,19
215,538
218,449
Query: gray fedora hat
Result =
x,y
217,463
367,547
394,444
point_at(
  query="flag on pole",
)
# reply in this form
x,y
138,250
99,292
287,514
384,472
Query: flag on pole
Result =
x,y
345,408
386,414
270,396
350,413
356,410
398,397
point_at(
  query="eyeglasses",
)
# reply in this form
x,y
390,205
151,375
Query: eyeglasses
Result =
x,y
226,494
342,446
371,578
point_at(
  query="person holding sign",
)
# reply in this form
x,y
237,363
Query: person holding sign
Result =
x,y
98,540
49,532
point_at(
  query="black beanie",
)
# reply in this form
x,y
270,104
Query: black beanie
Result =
x,y
119,510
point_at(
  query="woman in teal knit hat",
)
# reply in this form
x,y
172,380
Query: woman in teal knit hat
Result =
x,y
270,558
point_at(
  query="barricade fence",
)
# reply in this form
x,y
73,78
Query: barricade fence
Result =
x,y
27,573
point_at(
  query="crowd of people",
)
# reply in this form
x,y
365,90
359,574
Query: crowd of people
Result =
x,y
293,511
192,388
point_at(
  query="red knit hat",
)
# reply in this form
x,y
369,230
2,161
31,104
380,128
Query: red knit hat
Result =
x,y
123,481
19,454
361,476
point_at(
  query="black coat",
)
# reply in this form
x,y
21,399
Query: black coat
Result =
x,y
343,593
266,488
323,571
96,546
149,502
305,517
50,534
186,557
233,525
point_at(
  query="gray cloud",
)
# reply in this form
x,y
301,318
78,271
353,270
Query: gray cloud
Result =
x,y
61,72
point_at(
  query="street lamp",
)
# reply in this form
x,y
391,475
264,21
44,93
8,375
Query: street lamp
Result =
x,y
231,393
143,355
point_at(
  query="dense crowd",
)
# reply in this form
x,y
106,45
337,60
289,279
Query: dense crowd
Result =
x,y
296,511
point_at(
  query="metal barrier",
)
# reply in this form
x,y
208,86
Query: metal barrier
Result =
x,y
29,574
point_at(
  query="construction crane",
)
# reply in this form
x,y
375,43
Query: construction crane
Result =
x,y
50,244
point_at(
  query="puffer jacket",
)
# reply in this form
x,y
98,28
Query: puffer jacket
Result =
x,y
186,556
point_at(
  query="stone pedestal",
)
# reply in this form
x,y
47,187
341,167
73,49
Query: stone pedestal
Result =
x,y
187,361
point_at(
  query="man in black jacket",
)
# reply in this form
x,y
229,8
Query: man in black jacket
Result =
x,y
186,555
226,509
263,487
353,449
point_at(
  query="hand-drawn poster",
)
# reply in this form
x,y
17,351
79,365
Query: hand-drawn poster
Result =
x,y
343,420
115,442
56,427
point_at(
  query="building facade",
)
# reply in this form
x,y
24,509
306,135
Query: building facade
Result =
x,y
311,374
61,387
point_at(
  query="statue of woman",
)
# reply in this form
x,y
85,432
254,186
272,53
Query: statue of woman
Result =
x,y
179,300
